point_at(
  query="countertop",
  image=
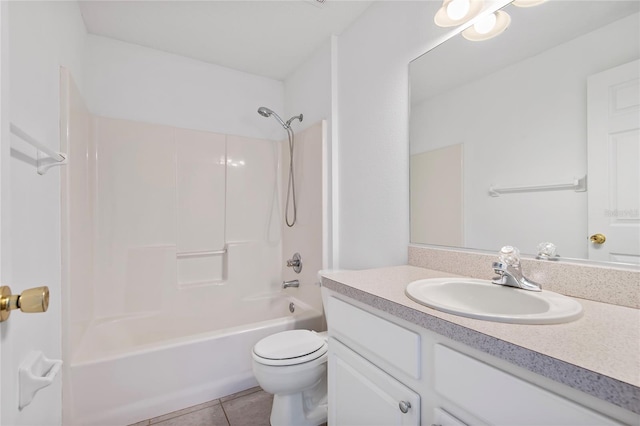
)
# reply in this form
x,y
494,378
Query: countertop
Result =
x,y
598,354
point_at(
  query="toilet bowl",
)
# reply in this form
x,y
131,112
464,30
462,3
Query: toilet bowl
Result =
x,y
292,365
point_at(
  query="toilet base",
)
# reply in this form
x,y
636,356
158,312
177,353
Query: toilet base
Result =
x,y
288,410
308,408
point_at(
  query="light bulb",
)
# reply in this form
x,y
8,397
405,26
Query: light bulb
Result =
x,y
488,27
458,9
527,3
486,24
456,12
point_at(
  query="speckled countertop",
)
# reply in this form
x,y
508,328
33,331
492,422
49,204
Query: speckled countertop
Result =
x,y
598,354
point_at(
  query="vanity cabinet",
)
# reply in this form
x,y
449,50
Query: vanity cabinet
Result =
x,y
369,357
500,398
380,366
362,394
442,418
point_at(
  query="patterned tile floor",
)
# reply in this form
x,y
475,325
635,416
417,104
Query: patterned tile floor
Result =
x,y
251,407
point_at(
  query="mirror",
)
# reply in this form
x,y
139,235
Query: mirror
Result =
x,y
510,114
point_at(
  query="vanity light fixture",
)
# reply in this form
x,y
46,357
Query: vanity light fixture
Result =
x,y
527,3
456,12
488,27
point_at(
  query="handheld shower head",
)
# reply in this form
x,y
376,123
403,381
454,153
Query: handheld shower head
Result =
x,y
266,112
291,186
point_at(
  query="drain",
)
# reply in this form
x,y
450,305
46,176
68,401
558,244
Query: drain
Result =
x,y
292,307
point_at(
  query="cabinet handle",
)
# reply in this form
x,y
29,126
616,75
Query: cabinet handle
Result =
x,y
404,406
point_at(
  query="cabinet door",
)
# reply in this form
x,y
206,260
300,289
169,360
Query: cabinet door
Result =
x,y
499,398
442,418
362,394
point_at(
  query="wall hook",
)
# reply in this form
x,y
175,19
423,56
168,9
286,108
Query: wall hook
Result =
x,y
35,372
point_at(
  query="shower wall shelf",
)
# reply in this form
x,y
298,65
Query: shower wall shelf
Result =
x,y
51,158
577,185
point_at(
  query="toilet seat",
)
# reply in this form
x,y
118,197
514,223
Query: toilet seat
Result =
x,y
289,348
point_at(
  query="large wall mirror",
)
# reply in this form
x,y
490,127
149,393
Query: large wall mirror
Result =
x,y
518,140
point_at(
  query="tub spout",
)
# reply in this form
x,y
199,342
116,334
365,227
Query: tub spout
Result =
x,y
292,283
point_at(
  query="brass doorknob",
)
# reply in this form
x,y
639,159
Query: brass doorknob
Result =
x,y
31,300
597,239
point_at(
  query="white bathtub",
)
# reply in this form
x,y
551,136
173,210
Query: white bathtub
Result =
x,y
138,367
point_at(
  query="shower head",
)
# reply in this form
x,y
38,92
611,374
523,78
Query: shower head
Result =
x,y
266,112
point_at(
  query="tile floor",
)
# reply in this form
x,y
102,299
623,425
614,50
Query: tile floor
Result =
x,y
251,407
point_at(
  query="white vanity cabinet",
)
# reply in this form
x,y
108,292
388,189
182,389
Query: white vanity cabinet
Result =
x,y
381,366
442,418
500,398
362,394
365,387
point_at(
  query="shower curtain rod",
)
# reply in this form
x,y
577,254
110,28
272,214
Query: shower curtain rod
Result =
x,y
58,157
38,145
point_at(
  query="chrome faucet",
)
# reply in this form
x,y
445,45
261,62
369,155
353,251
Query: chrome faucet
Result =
x,y
295,262
292,283
510,273
511,276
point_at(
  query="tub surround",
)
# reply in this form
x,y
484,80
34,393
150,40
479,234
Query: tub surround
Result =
x,y
306,237
583,354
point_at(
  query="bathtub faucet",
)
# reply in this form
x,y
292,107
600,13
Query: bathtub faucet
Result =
x,y
292,283
295,262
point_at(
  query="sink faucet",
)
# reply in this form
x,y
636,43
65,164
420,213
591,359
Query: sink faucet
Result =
x,y
292,283
510,272
512,276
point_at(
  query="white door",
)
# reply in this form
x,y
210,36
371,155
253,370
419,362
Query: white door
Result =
x,y
29,233
613,116
3,135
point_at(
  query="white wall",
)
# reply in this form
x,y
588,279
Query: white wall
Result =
x,y
136,83
373,107
127,81
43,36
534,133
309,91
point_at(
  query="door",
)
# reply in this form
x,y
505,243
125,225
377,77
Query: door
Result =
x,y
613,155
3,135
29,224
362,394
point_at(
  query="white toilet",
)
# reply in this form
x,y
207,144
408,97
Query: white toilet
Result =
x,y
292,365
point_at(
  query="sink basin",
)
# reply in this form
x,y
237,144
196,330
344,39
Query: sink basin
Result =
x,y
481,299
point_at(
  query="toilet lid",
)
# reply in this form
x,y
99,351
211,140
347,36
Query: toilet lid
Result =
x,y
288,345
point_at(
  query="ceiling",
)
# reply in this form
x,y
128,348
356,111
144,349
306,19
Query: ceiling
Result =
x,y
264,37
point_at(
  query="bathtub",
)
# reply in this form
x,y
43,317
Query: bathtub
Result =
x,y
141,366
